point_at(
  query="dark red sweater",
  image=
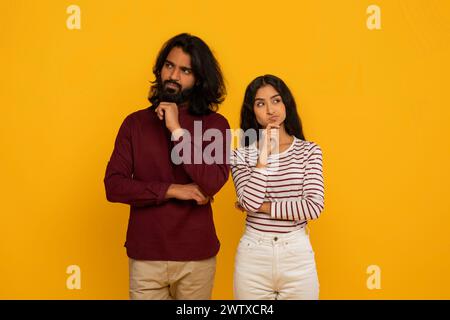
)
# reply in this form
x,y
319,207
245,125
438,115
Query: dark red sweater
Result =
x,y
139,173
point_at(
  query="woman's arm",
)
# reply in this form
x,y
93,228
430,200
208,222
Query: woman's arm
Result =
x,y
250,184
311,204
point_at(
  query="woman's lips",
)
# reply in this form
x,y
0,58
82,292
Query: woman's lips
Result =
x,y
273,119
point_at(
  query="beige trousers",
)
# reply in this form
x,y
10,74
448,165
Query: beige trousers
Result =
x,y
167,280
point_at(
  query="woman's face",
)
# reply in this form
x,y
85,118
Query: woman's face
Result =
x,y
268,106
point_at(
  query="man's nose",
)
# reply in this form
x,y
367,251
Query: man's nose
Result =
x,y
175,75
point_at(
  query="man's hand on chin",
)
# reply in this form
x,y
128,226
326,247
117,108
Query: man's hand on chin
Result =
x,y
169,112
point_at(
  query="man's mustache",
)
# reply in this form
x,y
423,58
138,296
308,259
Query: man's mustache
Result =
x,y
173,82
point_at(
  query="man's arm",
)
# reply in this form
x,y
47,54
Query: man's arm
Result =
x,y
119,183
210,175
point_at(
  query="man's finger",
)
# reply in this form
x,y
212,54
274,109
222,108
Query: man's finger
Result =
x,y
159,113
201,195
197,198
202,201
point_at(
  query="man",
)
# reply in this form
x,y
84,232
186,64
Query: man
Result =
x,y
171,239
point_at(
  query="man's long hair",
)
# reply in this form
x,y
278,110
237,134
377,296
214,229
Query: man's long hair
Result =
x,y
209,88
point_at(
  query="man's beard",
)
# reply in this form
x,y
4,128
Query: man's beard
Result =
x,y
175,96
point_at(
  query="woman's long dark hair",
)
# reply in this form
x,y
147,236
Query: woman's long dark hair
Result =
x,y
209,90
292,123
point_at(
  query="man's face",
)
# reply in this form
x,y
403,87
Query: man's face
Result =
x,y
177,77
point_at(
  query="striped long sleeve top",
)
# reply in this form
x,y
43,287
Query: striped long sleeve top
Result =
x,y
292,182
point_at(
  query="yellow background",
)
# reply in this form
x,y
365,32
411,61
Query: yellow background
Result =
x,y
377,102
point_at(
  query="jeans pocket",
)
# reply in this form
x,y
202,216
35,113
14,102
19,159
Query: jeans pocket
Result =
x,y
246,245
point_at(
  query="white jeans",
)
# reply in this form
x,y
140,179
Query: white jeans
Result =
x,y
272,266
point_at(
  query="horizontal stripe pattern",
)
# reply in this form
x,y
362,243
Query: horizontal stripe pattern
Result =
x,y
292,182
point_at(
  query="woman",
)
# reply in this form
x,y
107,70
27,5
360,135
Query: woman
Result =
x,y
279,183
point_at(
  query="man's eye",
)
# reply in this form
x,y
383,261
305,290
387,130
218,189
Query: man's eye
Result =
x,y
187,71
168,65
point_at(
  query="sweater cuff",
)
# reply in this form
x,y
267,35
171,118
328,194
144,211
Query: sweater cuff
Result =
x,y
177,134
161,197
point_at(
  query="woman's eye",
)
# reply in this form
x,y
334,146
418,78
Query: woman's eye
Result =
x,y
168,65
276,100
259,104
